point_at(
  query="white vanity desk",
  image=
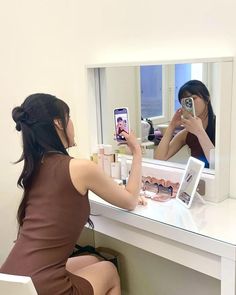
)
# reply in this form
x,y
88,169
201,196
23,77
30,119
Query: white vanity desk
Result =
x,y
202,238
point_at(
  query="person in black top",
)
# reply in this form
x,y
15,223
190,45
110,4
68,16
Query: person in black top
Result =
x,y
198,132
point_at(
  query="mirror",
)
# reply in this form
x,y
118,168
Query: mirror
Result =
x,y
151,91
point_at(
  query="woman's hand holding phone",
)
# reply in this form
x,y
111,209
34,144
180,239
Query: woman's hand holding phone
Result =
x,y
193,125
132,142
176,120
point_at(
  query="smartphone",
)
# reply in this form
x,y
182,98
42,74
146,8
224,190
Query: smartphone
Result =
x,y
121,119
187,107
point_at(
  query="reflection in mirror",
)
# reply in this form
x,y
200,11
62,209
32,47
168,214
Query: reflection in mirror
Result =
x,y
192,125
151,94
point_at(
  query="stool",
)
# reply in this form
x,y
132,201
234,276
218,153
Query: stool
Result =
x,y
12,285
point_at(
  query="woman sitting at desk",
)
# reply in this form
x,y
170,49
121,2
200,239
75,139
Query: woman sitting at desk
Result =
x,y
198,132
55,204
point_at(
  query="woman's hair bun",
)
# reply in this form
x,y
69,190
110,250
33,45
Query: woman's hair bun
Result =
x,y
19,116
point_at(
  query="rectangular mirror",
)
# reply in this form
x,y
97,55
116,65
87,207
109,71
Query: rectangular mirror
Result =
x,y
150,92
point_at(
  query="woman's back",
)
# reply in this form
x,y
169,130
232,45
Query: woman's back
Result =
x,y
55,216
52,213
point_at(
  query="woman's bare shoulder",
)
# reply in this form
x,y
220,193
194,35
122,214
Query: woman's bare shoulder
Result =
x,y
81,172
81,165
80,162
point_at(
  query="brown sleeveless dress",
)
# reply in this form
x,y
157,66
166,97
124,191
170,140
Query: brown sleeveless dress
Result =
x,y
55,216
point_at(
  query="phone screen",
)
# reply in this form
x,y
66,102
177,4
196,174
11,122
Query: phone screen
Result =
x,y
121,122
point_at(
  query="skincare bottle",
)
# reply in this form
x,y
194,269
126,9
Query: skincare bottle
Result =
x,y
124,170
94,156
124,149
115,167
100,156
108,158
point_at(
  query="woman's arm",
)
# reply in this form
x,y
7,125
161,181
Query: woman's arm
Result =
x,y
169,146
205,143
194,125
86,175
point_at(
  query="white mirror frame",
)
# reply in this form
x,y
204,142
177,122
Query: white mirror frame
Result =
x,y
217,183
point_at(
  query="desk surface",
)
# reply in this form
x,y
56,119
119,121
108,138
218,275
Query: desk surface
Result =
x,y
213,220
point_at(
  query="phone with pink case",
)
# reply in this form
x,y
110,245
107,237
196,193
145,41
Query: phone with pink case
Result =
x,y
121,120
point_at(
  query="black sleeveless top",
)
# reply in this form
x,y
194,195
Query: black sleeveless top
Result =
x,y
195,147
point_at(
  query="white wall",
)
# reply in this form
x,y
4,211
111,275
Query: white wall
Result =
x,y
121,89
45,46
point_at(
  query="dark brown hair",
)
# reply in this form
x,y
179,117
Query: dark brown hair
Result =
x,y
196,87
35,119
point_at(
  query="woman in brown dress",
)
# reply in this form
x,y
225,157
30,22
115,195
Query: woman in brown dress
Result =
x,y
55,206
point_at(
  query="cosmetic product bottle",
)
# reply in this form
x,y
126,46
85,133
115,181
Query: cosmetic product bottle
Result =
x,y
124,170
100,158
94,156
122,149
115,167
108,158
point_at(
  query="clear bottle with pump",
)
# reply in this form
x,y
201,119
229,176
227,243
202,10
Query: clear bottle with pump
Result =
x,y
124,170
94,156
115,167
100,156
108,158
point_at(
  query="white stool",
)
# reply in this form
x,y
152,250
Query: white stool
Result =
x,y
16,285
